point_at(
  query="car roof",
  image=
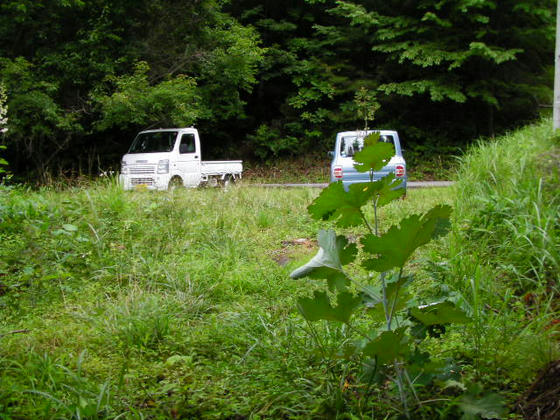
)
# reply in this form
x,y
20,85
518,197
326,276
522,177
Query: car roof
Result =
x,y
361,132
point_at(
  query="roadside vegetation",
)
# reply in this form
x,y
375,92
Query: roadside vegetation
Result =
x,y
316,169
179,305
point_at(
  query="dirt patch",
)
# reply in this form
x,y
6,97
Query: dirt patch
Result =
x,y
542,399
295,246
283,256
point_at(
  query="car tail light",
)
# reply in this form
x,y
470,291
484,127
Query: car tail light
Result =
x,y
399,171
337,172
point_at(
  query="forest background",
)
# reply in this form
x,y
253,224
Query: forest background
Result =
x,y
263,80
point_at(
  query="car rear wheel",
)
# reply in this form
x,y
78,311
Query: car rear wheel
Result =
x,y
228,181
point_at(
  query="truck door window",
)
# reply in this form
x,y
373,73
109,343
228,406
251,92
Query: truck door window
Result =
x,y
187,143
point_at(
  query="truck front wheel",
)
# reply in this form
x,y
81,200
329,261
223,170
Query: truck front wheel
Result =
x,y
175,183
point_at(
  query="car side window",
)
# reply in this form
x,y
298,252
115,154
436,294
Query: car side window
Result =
x,y
187,143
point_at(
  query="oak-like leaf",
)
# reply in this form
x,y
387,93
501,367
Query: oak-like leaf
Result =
x,y
335,203
374,157
488,406
439,313
397,297
388,346
396,246
318,307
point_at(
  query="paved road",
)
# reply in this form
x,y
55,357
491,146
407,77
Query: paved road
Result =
x,y
410,184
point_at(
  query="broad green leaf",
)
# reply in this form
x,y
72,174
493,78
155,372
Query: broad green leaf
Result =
x,y
319,307
346,206
334,203
396,246
421,367
374,157
386,191
349,348
371,295
334,252
397,297
490,406
439,313
388,346
371,139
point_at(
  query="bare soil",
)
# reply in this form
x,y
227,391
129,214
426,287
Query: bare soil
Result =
x,y
542,399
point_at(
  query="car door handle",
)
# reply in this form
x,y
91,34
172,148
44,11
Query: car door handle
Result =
x,y
196,157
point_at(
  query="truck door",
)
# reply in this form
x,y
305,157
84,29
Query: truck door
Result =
x,y
188,161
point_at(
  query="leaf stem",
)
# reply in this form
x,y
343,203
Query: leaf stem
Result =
x,y
366,222
394,301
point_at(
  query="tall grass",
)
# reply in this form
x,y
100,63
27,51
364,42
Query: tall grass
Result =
x,y
508,207
505,253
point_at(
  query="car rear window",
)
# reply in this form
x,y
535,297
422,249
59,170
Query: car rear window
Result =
x,y
353,144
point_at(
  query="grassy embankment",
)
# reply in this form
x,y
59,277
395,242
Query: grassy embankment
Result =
x,y
504,254
158,304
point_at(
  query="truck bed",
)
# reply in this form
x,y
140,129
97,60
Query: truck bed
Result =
x,y
220,167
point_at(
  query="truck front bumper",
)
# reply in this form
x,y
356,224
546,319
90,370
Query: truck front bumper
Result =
x,y
145,182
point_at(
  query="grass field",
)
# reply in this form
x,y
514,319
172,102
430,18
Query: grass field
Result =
x,y
159,304
179,305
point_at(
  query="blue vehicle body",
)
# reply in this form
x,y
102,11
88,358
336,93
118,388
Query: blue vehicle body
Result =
x,y
350,142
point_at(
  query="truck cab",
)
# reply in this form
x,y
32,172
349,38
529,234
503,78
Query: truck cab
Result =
x,y
350,142
164,158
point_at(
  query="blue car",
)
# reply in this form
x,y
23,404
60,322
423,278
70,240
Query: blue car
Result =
x,y
350,142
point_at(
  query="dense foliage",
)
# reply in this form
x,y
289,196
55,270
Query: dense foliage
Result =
x,y
265,78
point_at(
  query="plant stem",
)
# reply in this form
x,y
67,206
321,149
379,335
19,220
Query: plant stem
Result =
x,y
368,225
394,301
375,216
402,393
385,303
411,385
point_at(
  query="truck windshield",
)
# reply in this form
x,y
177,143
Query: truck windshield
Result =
x,y
160,141
353,144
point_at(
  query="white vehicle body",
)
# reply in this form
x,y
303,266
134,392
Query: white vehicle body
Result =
x,y
159,159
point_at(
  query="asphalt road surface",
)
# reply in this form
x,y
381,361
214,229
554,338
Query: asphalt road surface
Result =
x,y
409,184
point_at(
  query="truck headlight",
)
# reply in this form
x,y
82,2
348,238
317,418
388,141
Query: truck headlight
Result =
x,y
124,168
163,166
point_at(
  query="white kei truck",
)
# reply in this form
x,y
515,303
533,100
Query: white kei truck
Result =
x,y
169,158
